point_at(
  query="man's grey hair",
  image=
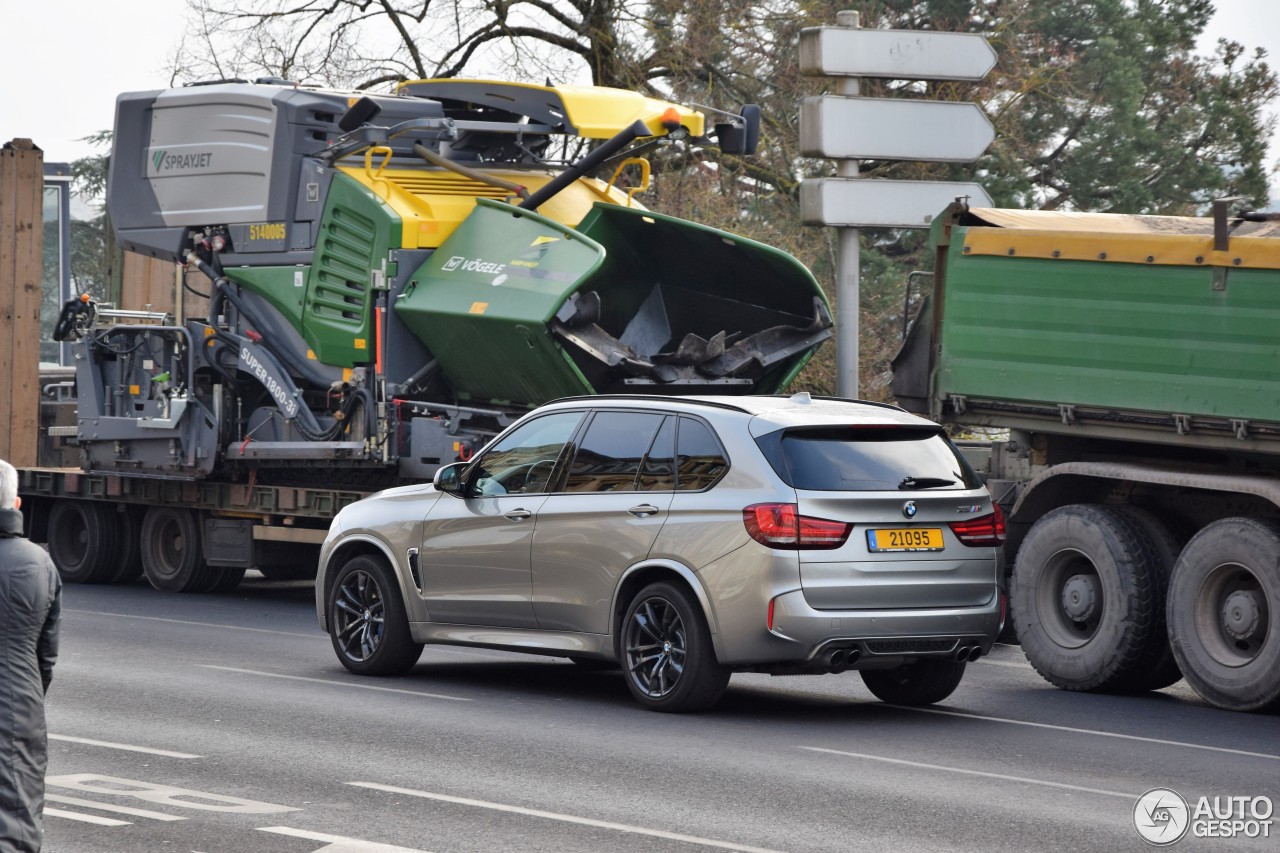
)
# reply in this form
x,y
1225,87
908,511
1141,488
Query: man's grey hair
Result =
x,y
8,485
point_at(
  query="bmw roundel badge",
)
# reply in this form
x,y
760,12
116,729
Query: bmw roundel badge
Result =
x,y
909,509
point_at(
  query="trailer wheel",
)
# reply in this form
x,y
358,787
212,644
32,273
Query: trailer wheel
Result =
x,y
172,556
1158,668
1224,613
129,565
1086,589
223,578
83,540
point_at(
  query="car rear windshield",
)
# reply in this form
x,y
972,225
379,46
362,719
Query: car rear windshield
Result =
x,y
867,458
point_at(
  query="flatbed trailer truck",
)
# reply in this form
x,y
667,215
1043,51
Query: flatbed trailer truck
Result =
x,y
1134,362
391,280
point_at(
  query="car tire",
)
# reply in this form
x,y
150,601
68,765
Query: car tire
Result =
x,y
1224,613
921,683
367,621
1087,596
84,540
666,652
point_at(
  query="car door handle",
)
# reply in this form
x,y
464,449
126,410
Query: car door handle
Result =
x,y
518,514
643,510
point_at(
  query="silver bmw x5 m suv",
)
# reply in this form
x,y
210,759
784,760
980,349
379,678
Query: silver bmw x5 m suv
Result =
x,y
684,539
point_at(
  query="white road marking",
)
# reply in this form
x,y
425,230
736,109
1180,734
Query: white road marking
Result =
x,y
165,795
1222,749
1002,777
338,843
1009,663
337,683
93,804
128,747
317,635
583,821
85,818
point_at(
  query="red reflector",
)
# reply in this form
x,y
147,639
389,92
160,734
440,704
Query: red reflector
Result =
x,y
987,531
771,601
782,526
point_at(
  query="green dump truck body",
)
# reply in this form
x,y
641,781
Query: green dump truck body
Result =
x,y
1128,323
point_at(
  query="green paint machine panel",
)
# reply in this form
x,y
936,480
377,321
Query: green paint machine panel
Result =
x,y
483,300
520,309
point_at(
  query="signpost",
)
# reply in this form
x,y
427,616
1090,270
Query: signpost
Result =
x,y
874,203
885,129
897,54
845,127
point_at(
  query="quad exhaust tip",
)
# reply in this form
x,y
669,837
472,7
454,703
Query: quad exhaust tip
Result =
x,y
968,653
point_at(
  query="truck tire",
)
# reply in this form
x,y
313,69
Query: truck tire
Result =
x,y
1224,613
1158,668
128,566
172,555
223,578
1086,595
84,540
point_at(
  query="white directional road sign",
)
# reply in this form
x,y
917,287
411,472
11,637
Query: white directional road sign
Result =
x,y
896,54
893,129
872,203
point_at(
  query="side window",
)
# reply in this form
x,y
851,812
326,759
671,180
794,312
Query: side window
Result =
x,y
522,462
700,461
609,455
658,474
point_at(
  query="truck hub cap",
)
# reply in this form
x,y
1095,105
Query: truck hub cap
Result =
x,y
1240,616
1080,597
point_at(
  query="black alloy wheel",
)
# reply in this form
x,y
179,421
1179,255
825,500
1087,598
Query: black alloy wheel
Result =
x,y
367,620
669,662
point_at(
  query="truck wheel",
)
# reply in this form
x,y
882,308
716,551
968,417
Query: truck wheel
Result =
x,y
1086,589
1224,613
84,540
172,557
1158,668
921,683
367,620
666,652
223,578
128,567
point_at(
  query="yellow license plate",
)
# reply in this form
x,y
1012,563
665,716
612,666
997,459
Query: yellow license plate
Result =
x,y
905,539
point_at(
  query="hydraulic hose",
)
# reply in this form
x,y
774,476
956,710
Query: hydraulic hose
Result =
x,y
587,164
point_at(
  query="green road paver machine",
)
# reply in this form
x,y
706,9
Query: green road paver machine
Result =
x,y
392,279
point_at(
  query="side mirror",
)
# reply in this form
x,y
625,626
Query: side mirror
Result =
x,y
449,479
742,136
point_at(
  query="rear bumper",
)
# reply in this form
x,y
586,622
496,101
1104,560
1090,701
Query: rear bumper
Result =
x,y
885,638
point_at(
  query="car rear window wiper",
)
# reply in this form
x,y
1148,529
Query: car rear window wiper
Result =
x,y
909,482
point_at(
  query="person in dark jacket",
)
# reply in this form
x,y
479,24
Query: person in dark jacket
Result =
x,y
30,604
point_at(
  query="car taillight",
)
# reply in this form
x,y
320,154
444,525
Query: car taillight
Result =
x,y
782,526
985,532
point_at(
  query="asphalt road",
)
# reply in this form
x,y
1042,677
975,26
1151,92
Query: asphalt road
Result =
x,y
224,723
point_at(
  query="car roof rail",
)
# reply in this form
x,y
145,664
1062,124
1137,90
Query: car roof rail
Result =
x,y
717,404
